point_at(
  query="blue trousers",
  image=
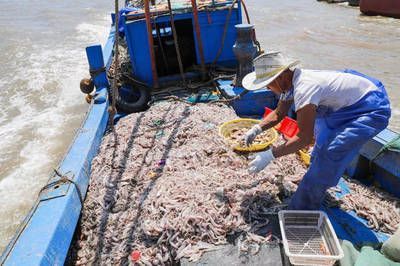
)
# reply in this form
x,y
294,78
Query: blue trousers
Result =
x,y
339,137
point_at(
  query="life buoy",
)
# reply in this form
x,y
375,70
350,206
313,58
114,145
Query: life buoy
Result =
x,y
133,98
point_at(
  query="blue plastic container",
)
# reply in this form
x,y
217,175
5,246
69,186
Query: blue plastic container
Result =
x,y
251,104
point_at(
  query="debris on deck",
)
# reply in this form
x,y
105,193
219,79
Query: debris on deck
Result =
x,y
379,208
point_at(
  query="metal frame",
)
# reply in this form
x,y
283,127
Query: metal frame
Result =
x,y
151,43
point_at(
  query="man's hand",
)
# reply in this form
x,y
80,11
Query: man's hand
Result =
x,y
261,161
252,134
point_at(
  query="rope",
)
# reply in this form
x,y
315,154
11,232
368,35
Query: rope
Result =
x,y
246,12
95,72
125,73
175,36
211,81
112,110
179,99
64,179
195,12
228,17
260,51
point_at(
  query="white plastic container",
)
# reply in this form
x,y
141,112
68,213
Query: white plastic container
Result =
x,y
308,238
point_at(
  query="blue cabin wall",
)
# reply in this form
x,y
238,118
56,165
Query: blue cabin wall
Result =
x,y
212,25
139,52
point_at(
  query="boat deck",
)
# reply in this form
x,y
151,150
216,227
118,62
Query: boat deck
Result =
x,y
269,254
63,201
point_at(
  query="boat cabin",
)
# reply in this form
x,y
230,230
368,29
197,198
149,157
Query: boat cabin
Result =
x,y
205,34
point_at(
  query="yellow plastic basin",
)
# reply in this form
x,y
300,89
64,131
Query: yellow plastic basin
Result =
x,y
225,130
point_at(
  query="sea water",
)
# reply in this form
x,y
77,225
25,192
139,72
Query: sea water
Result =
x,y
42,59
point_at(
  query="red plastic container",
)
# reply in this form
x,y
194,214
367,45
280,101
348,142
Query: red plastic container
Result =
x,y
288,126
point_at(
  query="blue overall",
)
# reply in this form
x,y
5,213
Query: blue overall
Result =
x,y
339,137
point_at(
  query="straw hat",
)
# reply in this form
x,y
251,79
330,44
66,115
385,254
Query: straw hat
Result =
x,y
267,68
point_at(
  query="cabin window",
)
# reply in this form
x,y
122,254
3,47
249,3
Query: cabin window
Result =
x,y
165,53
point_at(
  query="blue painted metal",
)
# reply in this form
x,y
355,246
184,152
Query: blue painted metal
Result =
x,y
46,234
139,52
385,169
138,47
251,104
212,24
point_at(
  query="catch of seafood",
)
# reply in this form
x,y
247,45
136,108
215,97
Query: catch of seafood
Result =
x,y
237,137
379,208
165,186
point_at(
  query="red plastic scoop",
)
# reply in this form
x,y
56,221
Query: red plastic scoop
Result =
x,y
288,126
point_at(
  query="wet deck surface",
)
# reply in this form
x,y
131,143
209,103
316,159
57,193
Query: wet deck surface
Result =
x,y
269,254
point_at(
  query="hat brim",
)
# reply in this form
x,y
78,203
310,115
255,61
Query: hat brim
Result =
x,y
251,83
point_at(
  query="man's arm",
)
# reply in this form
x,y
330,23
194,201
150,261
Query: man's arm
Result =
x,y
305,121
277,115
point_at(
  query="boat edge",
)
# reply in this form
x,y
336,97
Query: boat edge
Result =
x,y
52,247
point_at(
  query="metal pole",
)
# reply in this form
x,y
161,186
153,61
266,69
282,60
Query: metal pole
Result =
x,y
178,52
198,35
151,44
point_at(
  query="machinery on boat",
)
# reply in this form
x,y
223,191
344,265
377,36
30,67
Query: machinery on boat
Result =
x,y
175,46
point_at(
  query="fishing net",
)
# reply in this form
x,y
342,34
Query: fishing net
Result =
x,y
165,186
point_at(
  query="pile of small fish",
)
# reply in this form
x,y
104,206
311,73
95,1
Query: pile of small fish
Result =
x,y
380,209
237,137
165,186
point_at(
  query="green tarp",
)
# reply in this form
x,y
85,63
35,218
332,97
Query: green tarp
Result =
x,y
367,256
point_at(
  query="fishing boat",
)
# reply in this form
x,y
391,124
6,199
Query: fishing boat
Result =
x,y
180,46
354,2
388,8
